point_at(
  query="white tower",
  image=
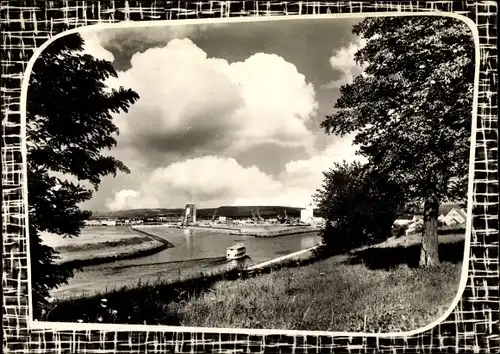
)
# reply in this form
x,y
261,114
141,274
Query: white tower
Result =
x,y
190,214
306,215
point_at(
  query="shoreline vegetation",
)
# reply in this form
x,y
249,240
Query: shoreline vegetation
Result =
x,y
76,256
366,289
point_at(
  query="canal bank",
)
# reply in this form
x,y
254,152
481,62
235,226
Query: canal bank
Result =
x,y
259,231
106,252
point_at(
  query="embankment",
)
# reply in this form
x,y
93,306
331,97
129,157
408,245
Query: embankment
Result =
x,y
260,231
106,252
271,233
152,235
302,255
215,228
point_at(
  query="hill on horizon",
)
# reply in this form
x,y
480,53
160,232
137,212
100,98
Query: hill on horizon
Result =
x,y
228,211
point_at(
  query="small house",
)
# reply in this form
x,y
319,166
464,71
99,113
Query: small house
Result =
x,y
108,222
92,222
455,217
404,220
222,219
442,219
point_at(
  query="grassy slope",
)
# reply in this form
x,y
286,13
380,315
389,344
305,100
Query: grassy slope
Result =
x,y
102,245
326,296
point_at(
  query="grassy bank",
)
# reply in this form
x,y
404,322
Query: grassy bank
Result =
x,y
324,296
372,289
101,245
143,249
85,254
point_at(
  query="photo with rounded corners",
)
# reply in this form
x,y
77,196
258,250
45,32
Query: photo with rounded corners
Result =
x,y
314,273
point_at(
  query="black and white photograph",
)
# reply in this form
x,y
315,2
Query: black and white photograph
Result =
x,y
309,174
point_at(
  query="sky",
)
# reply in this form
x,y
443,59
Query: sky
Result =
x,y
228,114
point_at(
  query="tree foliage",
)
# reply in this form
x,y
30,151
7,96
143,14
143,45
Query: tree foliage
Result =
x,y
68,127
359,204
412,108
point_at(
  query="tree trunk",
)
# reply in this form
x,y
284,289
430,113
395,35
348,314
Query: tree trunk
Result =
x,y
429,255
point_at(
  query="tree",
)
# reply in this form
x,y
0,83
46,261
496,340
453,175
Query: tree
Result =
x,y
359,205
68,126
411,109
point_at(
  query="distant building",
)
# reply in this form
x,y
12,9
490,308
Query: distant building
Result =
x,y
108,222
318,221
404,220
414,226
93,223
455,217
189,214
222,219
418,217
307,215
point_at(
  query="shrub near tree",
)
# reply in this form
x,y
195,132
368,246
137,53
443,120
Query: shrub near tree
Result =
x,y
69,125
359,205
411,110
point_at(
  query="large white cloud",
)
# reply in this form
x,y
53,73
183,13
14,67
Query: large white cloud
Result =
x,y
215,181
343,60
92,46
309,172
191,103
131,199
204,180
195,113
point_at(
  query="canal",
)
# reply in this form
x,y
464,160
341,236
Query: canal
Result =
x,y
194,251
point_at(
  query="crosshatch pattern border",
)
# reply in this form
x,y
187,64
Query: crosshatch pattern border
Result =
x,y
472,327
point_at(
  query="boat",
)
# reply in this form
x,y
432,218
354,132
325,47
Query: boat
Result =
x,y
236,251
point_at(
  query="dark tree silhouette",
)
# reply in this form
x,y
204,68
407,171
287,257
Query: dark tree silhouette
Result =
x,y
68,126
412,109
359,205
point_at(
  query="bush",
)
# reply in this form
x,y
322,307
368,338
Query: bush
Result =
x,y
419,228
399,230
360,206
451,229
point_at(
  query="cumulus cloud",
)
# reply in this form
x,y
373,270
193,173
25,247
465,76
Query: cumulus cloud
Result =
x,y
309,172
203,180
214,181
343,61
191,104
138,39
196,113
131,199
92,46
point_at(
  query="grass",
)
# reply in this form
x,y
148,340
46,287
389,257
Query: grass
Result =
x,y
102,245
326,296
377,289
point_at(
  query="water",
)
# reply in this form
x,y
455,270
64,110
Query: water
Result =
x,y
193,251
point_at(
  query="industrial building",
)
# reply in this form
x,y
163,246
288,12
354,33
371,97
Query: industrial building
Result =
x,y
189,214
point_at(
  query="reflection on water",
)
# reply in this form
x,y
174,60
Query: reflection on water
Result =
x,y
194,251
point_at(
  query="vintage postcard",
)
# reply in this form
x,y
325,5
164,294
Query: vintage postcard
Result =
x,y
273,175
